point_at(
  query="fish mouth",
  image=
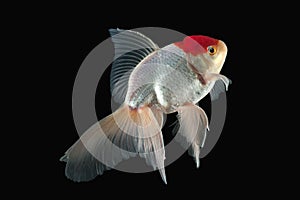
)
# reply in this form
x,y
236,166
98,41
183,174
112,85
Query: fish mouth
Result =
x,y
219,62
222,46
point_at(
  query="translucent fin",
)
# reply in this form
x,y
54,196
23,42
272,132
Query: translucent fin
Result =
x,y
145,124
156,156
120,89
121,135
192,127
221,84
161,117
131,48
81,164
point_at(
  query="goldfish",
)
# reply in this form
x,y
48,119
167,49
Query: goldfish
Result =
x,y
150,82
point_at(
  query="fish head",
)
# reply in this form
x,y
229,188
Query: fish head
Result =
x,y
204,54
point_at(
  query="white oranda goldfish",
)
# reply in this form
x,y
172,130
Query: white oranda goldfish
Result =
x,y
150,81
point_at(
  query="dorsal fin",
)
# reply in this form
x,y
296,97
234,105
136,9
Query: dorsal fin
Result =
x,y
131,48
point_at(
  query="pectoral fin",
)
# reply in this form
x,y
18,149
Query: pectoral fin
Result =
x,y
221,84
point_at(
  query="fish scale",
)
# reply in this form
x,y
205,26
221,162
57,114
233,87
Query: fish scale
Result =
x,y
166,75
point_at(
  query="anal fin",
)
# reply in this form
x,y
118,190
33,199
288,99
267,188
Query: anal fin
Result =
x,y
192,127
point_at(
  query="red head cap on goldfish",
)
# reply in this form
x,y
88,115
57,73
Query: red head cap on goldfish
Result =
x,y
198,44
206,54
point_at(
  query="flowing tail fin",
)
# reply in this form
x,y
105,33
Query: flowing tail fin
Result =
x,y
121,135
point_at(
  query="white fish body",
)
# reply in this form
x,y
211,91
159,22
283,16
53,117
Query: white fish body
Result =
x,y
164,79
148,81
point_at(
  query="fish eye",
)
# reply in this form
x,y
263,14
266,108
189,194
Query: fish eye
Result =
x,y
211,50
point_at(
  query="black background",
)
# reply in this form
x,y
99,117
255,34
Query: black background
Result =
x,y
238,166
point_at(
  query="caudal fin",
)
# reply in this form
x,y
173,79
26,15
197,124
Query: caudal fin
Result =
x,y
121,135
